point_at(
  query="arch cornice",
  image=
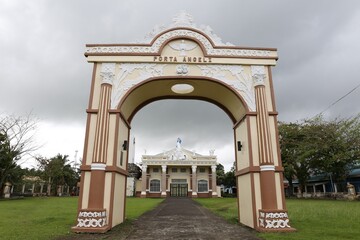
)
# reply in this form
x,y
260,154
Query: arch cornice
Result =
x,y
154,48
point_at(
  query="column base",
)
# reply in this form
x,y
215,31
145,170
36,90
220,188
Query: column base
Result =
x,y
92,221
214,194
163,194
274,221
143,194
194,195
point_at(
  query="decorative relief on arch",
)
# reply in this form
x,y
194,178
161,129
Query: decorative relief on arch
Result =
x,y
233,75
184,19
107,73
258,74
123,82
179,33
242,83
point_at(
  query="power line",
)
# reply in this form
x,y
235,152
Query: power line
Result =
x,y
352,90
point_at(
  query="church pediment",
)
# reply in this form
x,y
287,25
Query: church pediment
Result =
x,y
176,155
179,154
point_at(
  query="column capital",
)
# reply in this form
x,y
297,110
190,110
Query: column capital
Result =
x,y
107,73
144,168
163,167
213,168
193,168
258,75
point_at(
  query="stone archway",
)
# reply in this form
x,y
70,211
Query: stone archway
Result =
x,y
126,77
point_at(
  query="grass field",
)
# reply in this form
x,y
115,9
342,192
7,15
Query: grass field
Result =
x,y
46,218
313,219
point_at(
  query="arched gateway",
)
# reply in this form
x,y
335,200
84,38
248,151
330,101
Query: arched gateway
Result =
x,y
182,61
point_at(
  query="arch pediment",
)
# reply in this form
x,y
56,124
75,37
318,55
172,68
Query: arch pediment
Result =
x,y
210,47
181,27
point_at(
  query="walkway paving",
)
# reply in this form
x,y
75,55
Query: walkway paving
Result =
x,y
183,218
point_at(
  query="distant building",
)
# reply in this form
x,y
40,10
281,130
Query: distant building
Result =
x,y
321,184
178,173
134,175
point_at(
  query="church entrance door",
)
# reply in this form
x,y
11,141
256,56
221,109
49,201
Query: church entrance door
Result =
x,y
178,190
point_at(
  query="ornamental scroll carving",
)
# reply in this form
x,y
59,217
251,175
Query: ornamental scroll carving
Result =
x,y
242,83
184,19
123,83
124,80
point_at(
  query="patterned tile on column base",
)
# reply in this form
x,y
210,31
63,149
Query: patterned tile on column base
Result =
x,y
91,220
274,221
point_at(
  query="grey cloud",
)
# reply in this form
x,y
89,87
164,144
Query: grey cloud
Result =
x,y
43,68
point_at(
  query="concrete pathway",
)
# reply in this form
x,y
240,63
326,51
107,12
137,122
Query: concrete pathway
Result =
x,y
183,218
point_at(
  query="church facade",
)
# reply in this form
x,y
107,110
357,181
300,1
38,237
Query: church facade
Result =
x,y
178,173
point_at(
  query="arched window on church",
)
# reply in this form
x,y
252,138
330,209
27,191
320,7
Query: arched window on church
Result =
x,y
203,186
154,185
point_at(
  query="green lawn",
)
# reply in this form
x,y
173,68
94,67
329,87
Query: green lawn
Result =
x,y
45,218
313,219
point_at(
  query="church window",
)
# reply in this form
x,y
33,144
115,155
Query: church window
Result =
x,y
203,186
182,169
154,185
174,169
155,169
202,170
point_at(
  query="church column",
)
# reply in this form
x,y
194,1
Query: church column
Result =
x,y
163,181
194,181
143,181
213,180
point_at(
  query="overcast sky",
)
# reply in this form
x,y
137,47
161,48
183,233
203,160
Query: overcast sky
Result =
x,y
43,69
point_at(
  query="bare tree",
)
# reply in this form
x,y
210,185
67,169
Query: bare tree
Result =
x,y
16,141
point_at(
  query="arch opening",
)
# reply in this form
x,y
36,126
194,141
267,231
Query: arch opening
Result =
x,y
206,89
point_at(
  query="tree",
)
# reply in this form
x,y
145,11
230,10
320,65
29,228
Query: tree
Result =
x,y
317,146
230,179
58,171
296,152
16,141
220,174
337,145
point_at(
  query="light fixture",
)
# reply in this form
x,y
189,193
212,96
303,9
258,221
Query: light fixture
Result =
x,y
239,146
124,146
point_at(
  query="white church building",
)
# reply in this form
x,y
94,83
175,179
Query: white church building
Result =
x,y
178,173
